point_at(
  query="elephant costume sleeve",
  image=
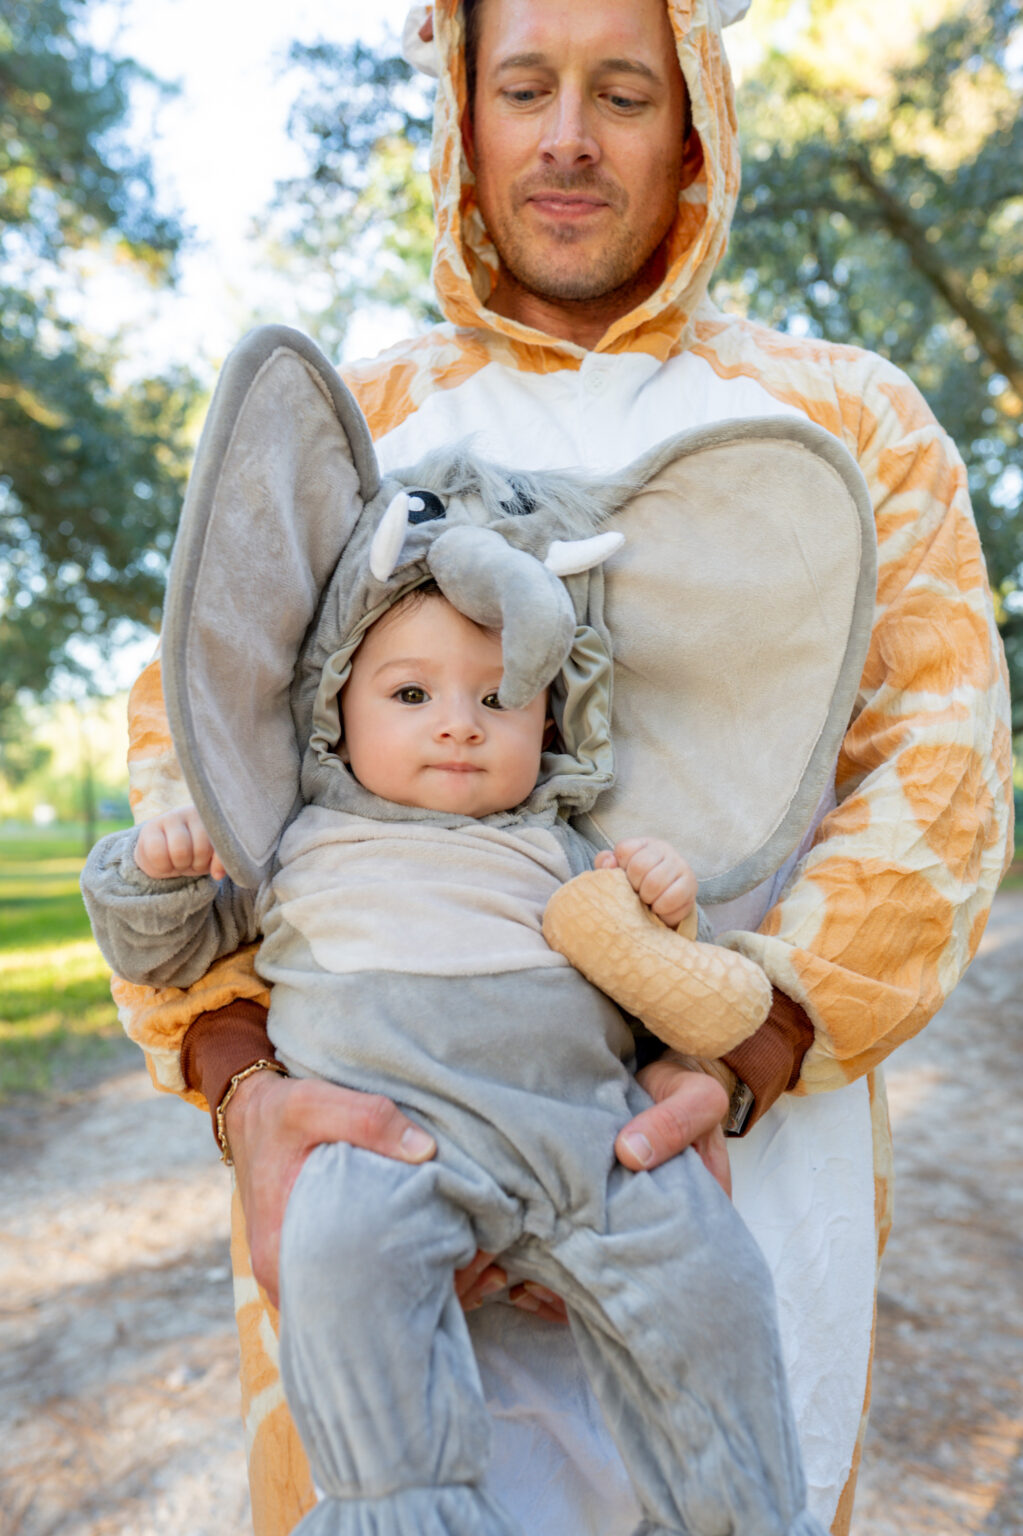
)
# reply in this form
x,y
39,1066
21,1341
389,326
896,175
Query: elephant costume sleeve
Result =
x,y
159,1019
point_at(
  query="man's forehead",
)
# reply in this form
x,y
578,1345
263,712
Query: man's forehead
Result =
x,y
632,34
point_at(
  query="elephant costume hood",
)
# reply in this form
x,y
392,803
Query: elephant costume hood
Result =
x,y
292,543
495,543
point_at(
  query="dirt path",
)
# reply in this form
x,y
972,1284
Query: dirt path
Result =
x,y
118,1399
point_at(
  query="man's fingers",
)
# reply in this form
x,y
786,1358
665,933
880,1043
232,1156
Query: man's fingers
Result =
x,y
323,1112
690,1106
478,1280
713,1150
539,1301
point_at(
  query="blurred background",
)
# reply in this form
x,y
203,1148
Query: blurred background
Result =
x,y
175,171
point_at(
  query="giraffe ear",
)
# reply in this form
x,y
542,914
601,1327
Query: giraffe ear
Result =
x,y
283,470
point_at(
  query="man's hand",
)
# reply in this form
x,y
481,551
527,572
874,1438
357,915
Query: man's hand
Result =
x,y
272,1125
483,1278
687,1111
660,877
176,844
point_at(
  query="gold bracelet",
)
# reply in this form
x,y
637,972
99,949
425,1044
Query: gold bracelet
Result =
x,y
263,1065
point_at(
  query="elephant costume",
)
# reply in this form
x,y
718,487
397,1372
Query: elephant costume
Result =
x,y
406,950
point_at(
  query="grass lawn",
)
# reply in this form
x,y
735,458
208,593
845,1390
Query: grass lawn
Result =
x,y
57,1021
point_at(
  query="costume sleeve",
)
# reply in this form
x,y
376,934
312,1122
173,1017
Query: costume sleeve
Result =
x,y
161,932
882,916
158,1018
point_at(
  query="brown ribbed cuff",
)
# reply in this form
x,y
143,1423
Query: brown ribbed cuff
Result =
x,y
219,1044
769,1062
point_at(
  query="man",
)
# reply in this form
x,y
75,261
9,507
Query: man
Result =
x,y
585,170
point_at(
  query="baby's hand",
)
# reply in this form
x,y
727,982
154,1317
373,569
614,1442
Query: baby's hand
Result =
x,y
660,877
176,844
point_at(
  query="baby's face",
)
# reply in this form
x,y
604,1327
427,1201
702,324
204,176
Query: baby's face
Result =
x,y
422,725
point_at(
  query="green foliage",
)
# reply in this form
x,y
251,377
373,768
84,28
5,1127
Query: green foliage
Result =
x,y
882,205
57,1019
357,227
90,473
21,754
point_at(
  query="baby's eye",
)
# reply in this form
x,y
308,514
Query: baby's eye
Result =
x,y
491,701
411,694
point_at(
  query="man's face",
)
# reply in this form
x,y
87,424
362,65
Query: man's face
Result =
x,y
576,142
422,724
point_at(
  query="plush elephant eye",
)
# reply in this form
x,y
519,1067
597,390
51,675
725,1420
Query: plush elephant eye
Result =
x,y
521,504
424,507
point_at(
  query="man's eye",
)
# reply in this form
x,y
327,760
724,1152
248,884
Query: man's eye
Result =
x,y
491,701
412,694
624,103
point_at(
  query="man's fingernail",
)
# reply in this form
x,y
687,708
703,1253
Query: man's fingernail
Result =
x,y
640,1148
541,1293
492,1286
416,1143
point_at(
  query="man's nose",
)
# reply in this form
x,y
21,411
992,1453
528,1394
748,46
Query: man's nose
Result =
x,y
567,140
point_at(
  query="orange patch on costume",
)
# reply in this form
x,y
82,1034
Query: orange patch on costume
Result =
x,y
926,643
878,921
280,1483
771,926
384,396
944,785
847,820
149,733
909,405
955,556
977,928
824,412
875,737
922,464
888,525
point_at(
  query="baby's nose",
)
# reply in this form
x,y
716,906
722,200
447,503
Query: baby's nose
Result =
x,y
463,722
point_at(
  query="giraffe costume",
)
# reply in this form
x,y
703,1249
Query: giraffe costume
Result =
x,y
871,920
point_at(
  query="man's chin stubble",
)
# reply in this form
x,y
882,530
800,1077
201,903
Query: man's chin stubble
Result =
x,y
584,288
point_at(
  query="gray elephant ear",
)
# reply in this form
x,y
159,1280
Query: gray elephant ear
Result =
x,y
741,609
283,469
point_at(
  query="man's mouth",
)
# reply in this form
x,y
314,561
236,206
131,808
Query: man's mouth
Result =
x,y
566,205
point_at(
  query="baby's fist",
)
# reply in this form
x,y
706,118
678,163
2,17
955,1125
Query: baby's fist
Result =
x,y
661,878
176,844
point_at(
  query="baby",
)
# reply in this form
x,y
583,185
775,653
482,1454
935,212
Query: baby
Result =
x,y
403,940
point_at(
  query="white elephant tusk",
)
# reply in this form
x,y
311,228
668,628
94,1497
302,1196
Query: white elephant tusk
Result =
x,y
389,537
567,557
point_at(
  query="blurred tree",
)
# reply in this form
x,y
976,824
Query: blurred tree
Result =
x,y
882,205
357,227
21,753
90,474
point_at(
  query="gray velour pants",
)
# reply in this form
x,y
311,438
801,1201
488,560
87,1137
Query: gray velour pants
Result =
x,y
670,1304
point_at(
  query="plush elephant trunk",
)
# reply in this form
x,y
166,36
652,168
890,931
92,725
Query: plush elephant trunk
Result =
x,y
503,588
